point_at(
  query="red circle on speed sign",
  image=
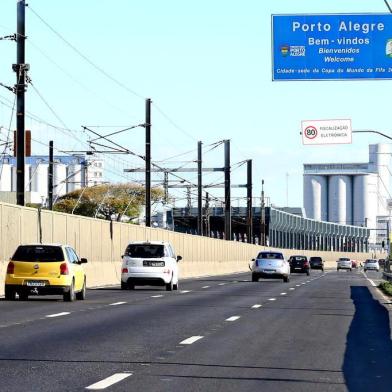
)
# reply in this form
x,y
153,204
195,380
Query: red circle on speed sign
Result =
x,y
310,132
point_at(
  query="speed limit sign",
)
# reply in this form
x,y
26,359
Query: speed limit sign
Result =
x,y
326,131
310,132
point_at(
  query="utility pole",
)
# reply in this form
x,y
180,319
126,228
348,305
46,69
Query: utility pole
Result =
x,y
20,88
148,162
199,190
166,186
227,192
262,231
207,214
249,226
50,176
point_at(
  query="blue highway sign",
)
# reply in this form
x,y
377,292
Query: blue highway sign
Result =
x,y
332,47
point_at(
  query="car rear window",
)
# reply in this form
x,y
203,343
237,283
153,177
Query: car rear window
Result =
x,y
41,253
298,258
315,259
270,255
344,259
371,261
145,251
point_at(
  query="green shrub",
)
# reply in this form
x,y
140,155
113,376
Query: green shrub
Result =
x,y
386,287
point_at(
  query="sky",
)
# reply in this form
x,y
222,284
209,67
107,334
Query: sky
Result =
x,y
207,67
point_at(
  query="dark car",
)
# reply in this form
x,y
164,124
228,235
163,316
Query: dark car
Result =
x,y
381,263
299,264
316,263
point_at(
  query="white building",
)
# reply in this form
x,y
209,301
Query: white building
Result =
x,y
69,174
351,193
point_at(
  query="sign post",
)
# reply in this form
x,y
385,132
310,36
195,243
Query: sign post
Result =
x,y
331,47
326,132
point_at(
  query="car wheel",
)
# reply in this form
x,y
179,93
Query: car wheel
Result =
x,y
169,286
350,269
69,296
175,286
308,272
124,285
255,278
286,279
337,269
131,286
82,293
9,293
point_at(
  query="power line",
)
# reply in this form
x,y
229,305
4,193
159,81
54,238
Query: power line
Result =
x,y
84,57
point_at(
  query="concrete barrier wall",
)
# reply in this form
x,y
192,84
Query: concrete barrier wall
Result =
x,y
103,243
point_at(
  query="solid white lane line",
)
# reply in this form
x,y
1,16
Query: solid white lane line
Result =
x,y
283,293
271,299
117,303
185,291
157,296
191,340
256,306
233,318
205,287
58,314
109,381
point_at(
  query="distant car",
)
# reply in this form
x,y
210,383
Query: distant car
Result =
x,y
371,264
316,262
269,264
299,264
45,269
149,263
344,263
381,262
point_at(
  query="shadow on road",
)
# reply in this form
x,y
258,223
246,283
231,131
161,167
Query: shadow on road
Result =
x,y
368,357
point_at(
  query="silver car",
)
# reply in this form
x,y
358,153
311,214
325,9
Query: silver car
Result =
x,y
371,264
344,263
270,265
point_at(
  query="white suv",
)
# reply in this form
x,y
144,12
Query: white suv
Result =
x,y
149,263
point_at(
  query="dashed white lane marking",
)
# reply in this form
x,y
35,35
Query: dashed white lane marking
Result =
x,y
233,318
283,293
191,340
298,285
256,306
58,314
308,281
221,284
157,296
271,299
109,381
205,287
371,282
291,288
185,291
117,303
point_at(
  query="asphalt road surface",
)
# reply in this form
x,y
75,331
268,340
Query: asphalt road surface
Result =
x,y
326,332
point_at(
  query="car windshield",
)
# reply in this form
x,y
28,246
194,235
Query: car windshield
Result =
x,y
315,259
41,253
145,250
270,255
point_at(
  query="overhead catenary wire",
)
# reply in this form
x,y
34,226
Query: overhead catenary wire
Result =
x,y
84,57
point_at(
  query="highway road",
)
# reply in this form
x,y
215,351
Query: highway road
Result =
x,y
326,332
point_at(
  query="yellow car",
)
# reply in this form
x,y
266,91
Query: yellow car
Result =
x,y
45,269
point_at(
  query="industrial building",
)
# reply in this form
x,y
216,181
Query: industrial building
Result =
x,y
355,194
69,174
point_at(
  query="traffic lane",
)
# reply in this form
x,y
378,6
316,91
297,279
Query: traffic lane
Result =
x,y
296,343
25,311
15,312
120,336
